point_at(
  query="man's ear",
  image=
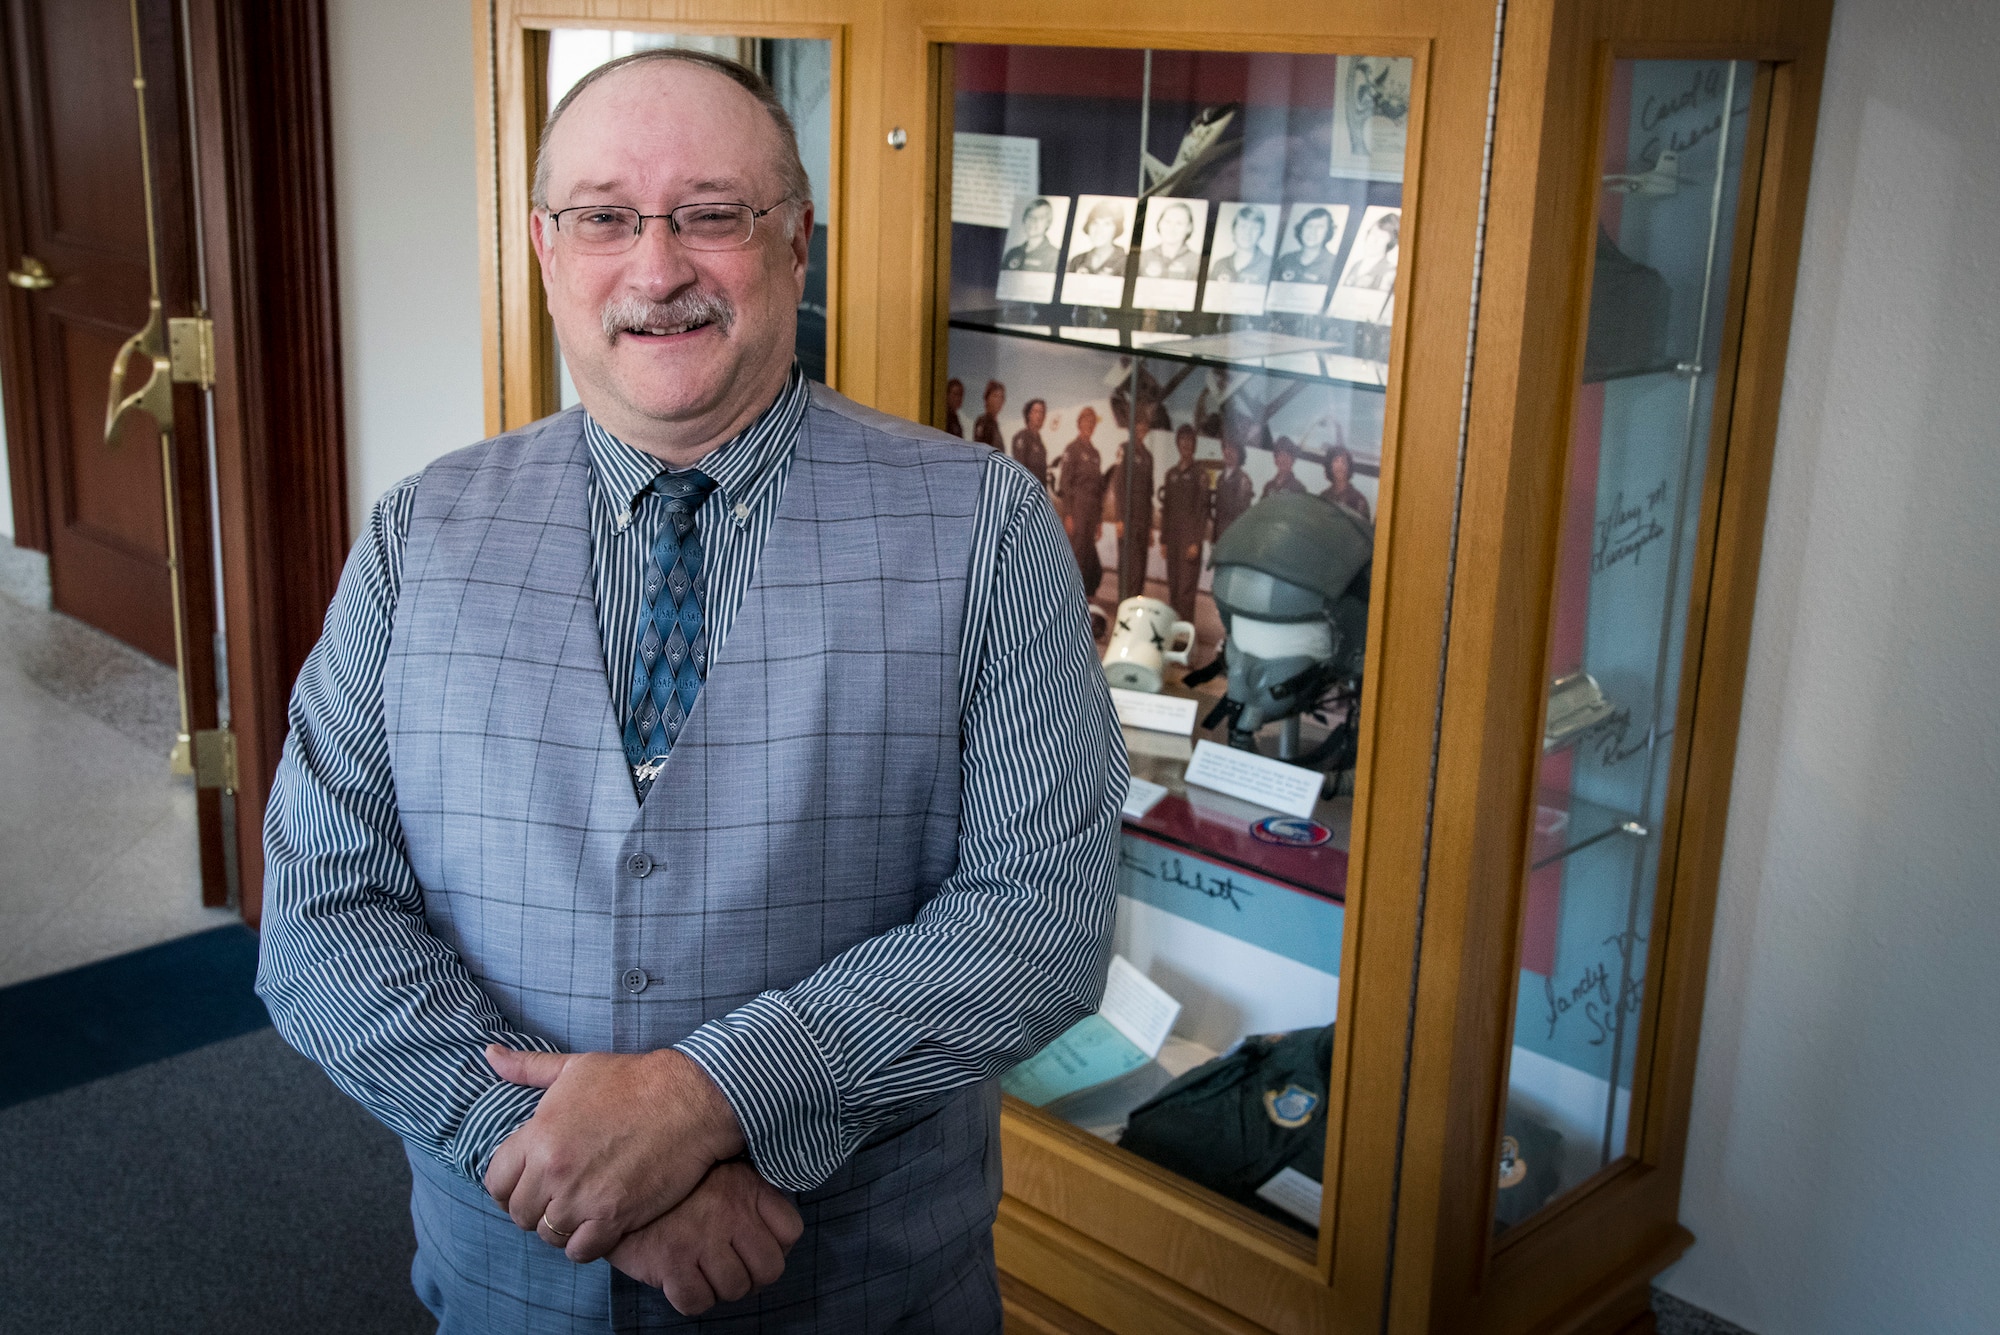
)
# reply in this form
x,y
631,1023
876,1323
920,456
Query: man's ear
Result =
x,y
543,241
802,232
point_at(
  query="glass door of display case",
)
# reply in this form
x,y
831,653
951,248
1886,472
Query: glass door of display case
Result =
x,y
1638,505
1173,285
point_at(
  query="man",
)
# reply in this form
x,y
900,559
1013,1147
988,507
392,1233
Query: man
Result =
x,y
1128,487
1234,491
1184,515
1036,253
1081,487
1249,262
1029,451
697,797
1340,478
1284,458
986,429
954,399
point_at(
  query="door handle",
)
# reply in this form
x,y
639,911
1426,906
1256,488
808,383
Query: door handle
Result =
x,y
31,276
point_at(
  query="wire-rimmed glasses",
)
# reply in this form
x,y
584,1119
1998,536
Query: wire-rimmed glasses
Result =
x,y
612,229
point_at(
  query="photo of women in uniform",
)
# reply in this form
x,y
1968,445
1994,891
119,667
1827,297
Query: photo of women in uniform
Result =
x,y
1304,268
1240,269
1368,284
1170,260
1033,245
1098,254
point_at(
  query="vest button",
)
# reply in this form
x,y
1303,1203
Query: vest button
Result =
x,y
635,981
639,865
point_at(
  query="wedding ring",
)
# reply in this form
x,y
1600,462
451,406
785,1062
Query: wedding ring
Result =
x,y
553,1229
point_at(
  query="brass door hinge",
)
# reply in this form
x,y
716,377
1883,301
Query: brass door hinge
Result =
x,y
191,349
210,756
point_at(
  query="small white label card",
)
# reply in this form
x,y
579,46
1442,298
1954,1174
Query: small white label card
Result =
x,y
1141,796
1156,713
1291,789
1137,1007
1294,1193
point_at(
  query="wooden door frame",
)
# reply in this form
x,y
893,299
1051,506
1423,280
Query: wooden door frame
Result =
x,y
265,142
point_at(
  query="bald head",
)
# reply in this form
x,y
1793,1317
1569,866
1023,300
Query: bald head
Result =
x,y
788,170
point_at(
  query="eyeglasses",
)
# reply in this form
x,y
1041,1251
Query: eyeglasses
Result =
x,y
611,229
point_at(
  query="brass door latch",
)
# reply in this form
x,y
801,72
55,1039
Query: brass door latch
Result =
x,y
31,276
209,756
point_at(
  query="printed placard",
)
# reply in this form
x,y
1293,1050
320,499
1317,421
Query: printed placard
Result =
x,y
1100,237
1156,713
988,173
1141,796
1291,789
1294,1193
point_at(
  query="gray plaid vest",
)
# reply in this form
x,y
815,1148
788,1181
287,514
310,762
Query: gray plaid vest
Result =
x,y
811,802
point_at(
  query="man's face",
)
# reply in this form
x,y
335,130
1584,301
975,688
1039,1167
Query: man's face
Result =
x,y
652,138
1086,422
1340,470
1232,454
1283,461
1184,442
995,400
1035,223
1248,230
1037,414
954,396
1313,233
1175,228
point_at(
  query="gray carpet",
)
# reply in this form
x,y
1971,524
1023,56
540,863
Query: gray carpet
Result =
x,y
229,1189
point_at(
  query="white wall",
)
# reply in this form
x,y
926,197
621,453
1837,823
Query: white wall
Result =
x,y
406,191
1844,1162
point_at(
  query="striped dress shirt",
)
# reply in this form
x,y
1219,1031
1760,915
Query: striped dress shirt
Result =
x,y
345,940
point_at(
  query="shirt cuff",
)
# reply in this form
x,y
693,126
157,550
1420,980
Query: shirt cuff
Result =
x,y
498,1112
780,1085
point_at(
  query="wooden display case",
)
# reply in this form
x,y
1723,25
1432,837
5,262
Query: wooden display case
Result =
x,y
1561,428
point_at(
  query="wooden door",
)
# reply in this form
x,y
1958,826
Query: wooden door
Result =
x,y
74,225
81,215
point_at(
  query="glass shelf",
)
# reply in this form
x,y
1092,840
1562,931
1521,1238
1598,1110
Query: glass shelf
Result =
x,y
1566,824
1284,355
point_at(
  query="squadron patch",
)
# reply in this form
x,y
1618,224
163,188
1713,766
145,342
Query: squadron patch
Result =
x,y
1513,1168
1291,1107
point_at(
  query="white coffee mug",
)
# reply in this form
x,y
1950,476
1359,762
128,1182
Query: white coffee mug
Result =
x,y
1144,638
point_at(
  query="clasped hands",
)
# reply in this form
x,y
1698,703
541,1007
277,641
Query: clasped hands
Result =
x,y
637,1158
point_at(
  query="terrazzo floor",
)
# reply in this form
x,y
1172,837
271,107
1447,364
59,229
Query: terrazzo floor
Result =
x,y
97,839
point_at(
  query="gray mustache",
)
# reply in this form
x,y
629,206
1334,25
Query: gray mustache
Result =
x,y
693,306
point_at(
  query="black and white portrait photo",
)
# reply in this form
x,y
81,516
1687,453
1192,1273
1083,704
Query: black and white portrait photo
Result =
x,y
1099,254
1371,117
1028,260
1239,266
1169,262
1367,290
1303,270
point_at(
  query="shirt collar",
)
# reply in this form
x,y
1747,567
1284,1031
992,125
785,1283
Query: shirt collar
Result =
x,y
742,468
